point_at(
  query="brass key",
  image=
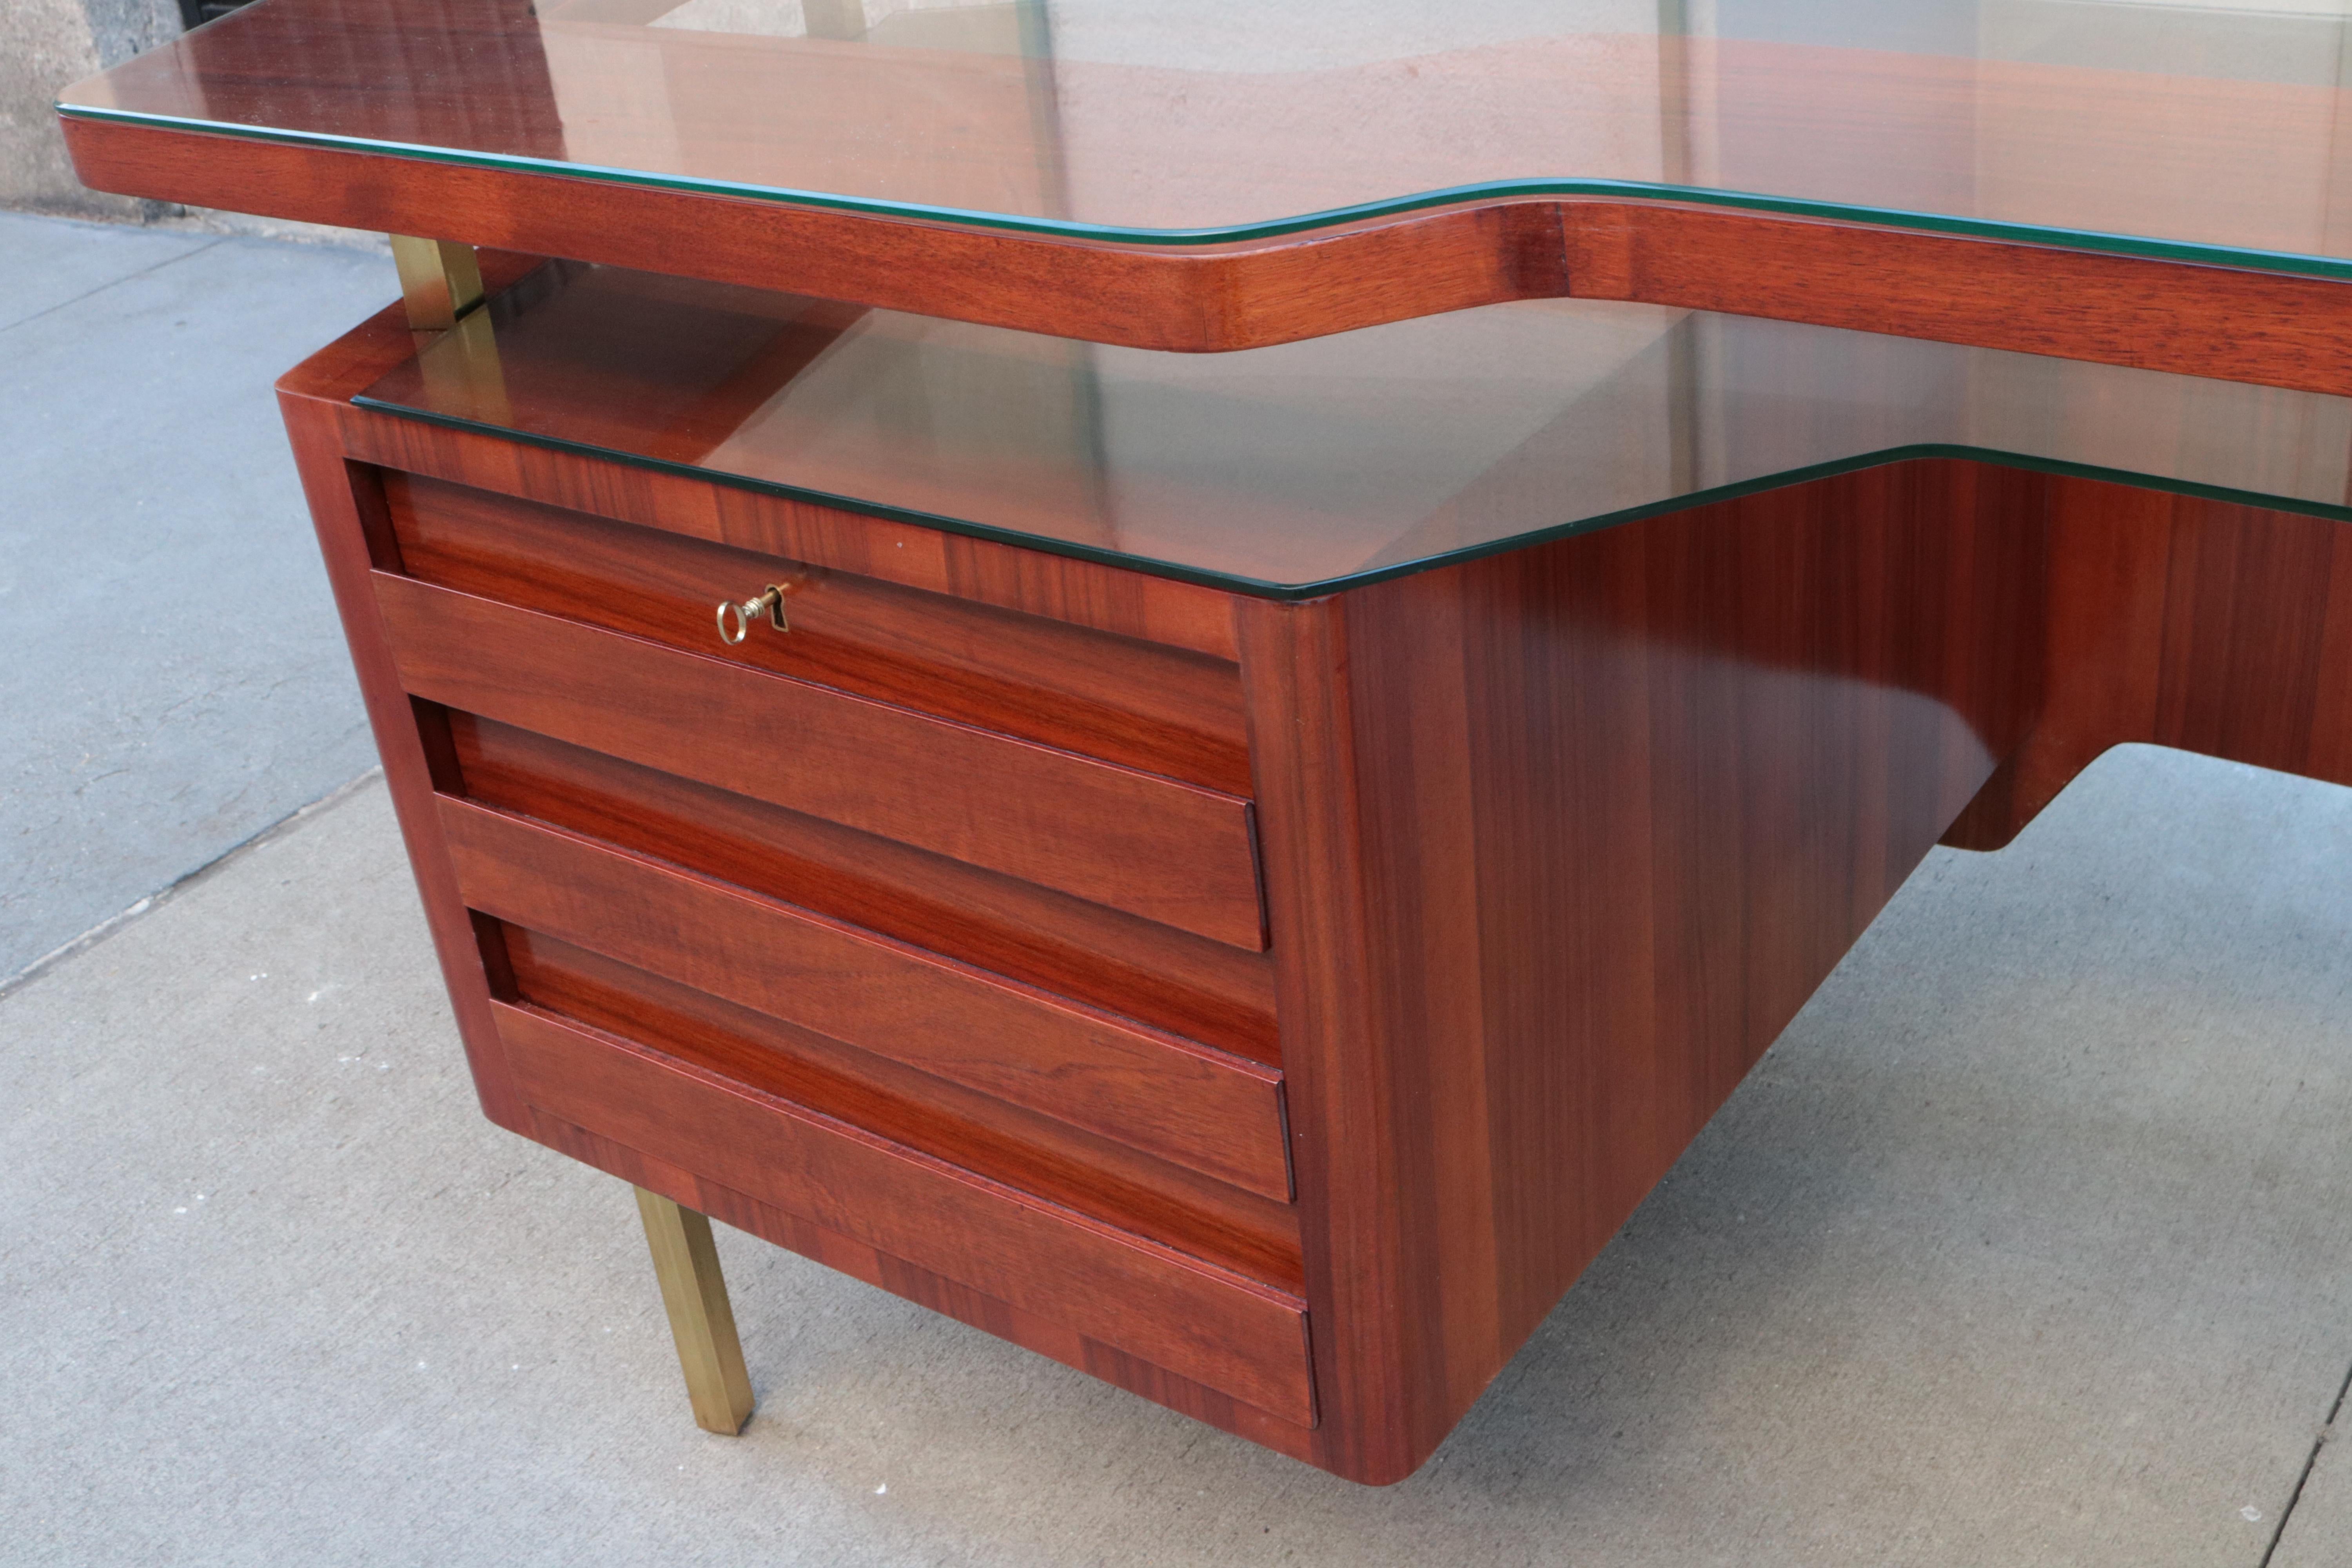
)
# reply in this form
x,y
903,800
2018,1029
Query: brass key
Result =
x,y
768,603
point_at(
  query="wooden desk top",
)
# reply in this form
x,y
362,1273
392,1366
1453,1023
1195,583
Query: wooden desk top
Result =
x,y
2133,181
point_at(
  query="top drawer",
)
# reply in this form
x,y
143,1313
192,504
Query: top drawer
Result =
x,y
1162,710
1090,764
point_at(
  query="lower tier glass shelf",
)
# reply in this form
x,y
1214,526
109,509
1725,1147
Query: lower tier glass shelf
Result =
x,y
1299,470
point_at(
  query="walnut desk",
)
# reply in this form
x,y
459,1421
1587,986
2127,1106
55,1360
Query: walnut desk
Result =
x,y
1238,870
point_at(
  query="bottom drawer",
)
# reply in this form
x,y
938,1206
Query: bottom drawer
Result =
x,y
1203,1324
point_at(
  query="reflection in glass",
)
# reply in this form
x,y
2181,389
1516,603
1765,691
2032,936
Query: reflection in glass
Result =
x,y
1300,467
2214,125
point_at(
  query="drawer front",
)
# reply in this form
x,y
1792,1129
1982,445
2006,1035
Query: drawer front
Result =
x,y
1158,709
1157,611
1199,1322
1168,851
1172,980
1218,1114
1256,1237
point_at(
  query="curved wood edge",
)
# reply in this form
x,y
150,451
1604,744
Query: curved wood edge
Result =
x,y
354,532
2230,323
2203,625
346,511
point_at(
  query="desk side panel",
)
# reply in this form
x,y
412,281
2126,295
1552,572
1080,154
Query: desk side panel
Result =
x,y
1558,842
356,537
2179,621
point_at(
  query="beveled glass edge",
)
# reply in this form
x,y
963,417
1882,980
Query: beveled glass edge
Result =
x,y
1294,593
2193,252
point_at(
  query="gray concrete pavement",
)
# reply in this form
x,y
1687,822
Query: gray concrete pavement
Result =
x,y
173,680
2319,1531
2028,1244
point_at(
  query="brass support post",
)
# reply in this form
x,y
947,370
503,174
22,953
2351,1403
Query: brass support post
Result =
x,y
440,281
687,1263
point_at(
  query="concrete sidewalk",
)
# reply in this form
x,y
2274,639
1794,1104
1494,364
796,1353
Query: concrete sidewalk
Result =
x,y
2029,1243
172,677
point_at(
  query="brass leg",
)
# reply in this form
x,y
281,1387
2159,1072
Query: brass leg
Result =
x,y
440,284
687,1263
440,281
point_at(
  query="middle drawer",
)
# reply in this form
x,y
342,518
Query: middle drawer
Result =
x,y
1218,1114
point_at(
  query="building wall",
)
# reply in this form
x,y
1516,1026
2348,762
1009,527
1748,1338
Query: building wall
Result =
x,y
44,46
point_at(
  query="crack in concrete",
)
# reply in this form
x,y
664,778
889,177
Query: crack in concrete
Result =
x,y
10,984
2310,1460
115,283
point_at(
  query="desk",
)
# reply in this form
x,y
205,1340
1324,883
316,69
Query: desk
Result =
x,y
1238,871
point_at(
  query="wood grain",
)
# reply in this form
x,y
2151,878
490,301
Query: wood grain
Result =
x,y
1556,844
2226,323
1101,1177
1199,1322
2178,621
1189,297
2230,323
1168,851
1157,709
1128,604
1147,1208
1217,1114
354,538
955,1298
1186,984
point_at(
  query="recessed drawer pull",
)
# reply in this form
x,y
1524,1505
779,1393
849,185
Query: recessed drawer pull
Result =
x,y
768,603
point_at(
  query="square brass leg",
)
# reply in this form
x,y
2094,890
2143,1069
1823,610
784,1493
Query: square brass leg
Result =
x,y
440,281
687,1263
